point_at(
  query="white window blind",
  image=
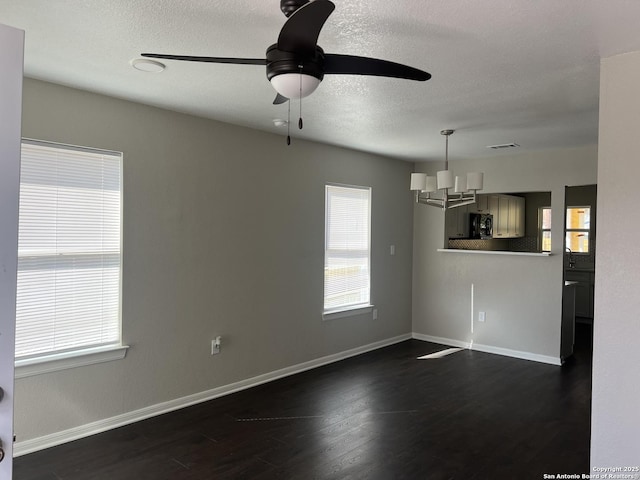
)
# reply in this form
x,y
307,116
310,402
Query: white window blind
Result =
x,y
68,294
347,247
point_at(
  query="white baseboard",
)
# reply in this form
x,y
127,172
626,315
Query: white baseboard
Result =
x,y
489,349
82,431
440,340
535,357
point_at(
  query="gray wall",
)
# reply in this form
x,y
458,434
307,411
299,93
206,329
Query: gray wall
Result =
x,y
223,235
616,352
533,202
522,296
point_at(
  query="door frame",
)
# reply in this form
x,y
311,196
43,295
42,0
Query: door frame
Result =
x,y
11,76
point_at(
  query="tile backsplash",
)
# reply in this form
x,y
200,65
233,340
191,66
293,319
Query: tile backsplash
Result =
x,y
524,244
468,244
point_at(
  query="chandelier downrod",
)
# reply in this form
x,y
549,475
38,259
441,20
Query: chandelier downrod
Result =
x,y
447,133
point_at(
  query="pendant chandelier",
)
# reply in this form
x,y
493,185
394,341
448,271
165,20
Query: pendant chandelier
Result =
x,y
464,187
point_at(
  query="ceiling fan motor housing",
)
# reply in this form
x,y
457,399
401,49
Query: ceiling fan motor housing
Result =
x,y
290,6
279,62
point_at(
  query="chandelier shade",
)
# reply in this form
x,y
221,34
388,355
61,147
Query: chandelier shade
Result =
x,y
475,181
419,181
445,179
461,184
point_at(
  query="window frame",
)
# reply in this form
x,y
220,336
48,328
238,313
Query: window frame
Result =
x,y
54,360
346,310
578,230
541,228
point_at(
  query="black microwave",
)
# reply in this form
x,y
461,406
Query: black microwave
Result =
x,y
480,225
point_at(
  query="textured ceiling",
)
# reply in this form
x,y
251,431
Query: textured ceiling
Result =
x,y
523,71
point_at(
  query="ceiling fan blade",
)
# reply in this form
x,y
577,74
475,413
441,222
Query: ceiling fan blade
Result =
x,y
300,32
188,58
280,99
352,65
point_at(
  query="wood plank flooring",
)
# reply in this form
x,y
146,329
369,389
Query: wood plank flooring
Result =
x,y
382,415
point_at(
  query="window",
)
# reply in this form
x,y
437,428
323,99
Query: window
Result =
x,y
578,228
69,250
545,229
347,248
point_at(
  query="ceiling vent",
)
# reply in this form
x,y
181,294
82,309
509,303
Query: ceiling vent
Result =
x,y
504,145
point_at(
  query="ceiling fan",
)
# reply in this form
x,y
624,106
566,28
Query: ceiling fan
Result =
x,y
296,64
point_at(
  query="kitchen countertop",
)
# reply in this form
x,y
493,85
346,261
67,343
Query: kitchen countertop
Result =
x,y
493,252
588,268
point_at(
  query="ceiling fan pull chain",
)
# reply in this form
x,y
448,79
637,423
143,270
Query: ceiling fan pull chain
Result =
x,y
300,119
288,122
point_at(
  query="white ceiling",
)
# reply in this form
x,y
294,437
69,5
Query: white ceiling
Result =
x,y
523,71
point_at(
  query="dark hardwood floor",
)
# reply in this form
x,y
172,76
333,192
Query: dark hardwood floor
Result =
x,y
381,415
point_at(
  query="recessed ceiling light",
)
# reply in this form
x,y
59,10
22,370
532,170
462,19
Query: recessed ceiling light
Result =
x,y
278,122
146,65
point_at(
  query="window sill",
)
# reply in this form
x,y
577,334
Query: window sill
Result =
x,y
347,312
63,361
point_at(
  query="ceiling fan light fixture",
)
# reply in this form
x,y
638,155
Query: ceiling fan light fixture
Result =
x,y
295,85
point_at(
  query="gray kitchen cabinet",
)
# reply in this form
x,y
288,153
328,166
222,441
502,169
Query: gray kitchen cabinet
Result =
x,y
508,216
501,220
516,212
492,205
568,326
584,291
481,205
457,222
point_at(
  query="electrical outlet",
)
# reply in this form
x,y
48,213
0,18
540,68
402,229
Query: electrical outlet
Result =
x,y
481,316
